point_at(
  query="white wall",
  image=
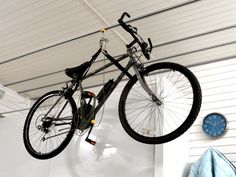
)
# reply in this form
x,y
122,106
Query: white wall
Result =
x,y
115,154
176,157
218,82
15,161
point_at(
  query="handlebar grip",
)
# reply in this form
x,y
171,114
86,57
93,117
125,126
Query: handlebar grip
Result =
x,y
127,14
123,16
123,24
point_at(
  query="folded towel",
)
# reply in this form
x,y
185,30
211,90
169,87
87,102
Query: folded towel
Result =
x,y
213,164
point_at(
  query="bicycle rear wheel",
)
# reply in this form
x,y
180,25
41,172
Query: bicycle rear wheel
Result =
x,y
49,125
180,94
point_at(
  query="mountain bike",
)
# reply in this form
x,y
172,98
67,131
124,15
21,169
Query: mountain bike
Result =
x,y
158,103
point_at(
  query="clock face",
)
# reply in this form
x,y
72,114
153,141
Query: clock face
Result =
x,y
214,125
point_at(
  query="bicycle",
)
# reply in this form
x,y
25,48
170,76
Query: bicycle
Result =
x,y
158,104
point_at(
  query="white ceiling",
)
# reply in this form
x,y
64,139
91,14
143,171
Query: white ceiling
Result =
x,y
34,35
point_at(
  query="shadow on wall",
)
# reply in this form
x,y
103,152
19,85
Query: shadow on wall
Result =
x,y
108,157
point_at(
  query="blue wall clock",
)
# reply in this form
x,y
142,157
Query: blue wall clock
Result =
x,y
214,125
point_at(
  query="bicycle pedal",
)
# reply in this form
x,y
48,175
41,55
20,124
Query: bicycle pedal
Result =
x,y
90,141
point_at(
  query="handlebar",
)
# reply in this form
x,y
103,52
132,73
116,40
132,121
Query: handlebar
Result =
x,y
145,47
123,15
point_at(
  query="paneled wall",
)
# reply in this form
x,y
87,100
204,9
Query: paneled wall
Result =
x,y
218,82
39,39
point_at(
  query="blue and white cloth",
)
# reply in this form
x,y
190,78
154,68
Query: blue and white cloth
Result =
x,y
213,164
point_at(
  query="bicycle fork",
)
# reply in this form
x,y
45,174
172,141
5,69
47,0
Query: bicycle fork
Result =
x,y
145,86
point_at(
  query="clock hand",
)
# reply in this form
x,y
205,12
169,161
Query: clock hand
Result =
x,y
210,122
219,122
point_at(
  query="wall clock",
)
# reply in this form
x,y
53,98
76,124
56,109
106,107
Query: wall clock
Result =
x,y
214,125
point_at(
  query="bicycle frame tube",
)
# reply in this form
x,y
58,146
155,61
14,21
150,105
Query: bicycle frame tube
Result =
x,y
116,82
70,91
118,79
54,105
106,66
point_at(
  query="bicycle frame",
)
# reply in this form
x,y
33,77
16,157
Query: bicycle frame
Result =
x,y
69,91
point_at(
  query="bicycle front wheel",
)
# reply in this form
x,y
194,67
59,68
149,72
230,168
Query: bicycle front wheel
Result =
x,y
178,90
49,125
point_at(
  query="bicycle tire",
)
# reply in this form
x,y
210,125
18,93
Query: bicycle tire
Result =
x,y
38,106
155,71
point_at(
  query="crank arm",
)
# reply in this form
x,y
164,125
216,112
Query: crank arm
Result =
x,y
87,138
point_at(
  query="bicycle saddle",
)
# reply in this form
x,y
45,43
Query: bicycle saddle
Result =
x,y
78,71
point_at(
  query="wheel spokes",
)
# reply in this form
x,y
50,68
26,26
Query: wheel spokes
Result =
x,y
147,118
49,124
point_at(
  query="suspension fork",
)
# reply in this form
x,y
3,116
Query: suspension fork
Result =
x,y
145,86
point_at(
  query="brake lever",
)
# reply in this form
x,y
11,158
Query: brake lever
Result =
x,y
150,45
144,47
